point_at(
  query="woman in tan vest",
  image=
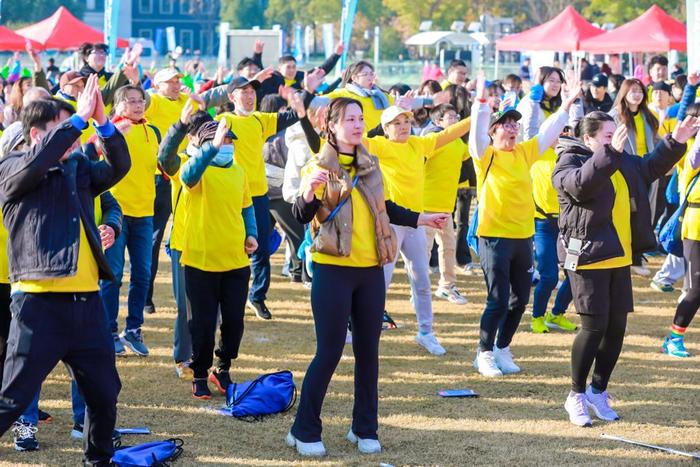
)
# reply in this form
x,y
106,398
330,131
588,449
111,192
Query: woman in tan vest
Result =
x,y
342,195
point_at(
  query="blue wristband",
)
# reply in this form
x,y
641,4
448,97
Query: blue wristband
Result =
x,y
78,122
106,130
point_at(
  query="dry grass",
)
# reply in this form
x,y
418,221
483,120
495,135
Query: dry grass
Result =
x,y
518,420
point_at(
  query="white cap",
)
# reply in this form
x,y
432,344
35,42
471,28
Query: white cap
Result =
x,y
390,113
165,75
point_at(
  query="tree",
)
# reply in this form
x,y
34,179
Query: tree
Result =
x,y
30,11
622,11
243,14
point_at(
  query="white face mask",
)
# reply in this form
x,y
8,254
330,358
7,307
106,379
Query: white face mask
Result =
x,y
224,157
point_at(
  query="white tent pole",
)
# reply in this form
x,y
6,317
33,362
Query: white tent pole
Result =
x,y
495,77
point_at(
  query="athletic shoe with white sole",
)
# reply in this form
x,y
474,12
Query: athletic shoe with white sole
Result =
x,y
133,339
119,349
77,433
365,446
452,295
504,360
559,322
316,449
24,436
600,403
472,269
485,362
538,325
430,343
640,271
675,347
661,287
576,406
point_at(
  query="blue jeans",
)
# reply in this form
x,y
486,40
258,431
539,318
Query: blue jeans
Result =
x,y
137,237
31,413
546,237
260,260
182,340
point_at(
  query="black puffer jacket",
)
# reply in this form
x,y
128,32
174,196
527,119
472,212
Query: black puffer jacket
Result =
x,y
586,195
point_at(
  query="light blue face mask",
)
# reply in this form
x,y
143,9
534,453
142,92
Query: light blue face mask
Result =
x,y
224,157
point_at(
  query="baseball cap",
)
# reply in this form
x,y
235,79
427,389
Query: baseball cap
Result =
x,y
600,80
503,115
166,75
70,77
661,86
241,82
390,113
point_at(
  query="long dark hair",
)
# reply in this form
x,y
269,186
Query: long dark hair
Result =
x,y
624,111
551,104
422,115
592,123
354,69
459,99
336,111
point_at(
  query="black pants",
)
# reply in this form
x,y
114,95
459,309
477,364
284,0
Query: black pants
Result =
x,y
207,293
507,266
162,208
5,318
600,341
461,215
339,293
282,213
685,312
50,327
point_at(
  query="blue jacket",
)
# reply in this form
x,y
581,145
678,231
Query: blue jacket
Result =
x,y
44,199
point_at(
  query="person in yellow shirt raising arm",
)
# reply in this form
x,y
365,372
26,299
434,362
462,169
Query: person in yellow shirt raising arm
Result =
x,y
342,196
605,218
135,194
219,235
506,215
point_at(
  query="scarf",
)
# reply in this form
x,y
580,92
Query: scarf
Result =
x,y
378,97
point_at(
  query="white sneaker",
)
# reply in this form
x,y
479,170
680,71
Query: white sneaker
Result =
x,y
486,364
348,337
472,269
365,446
504,360
430,343
575,405
434,270
452,295
600,403
641,271
316,449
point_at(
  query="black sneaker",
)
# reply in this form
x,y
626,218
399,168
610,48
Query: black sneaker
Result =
x,y
387,322
220,379
24,435
200,389
45,417
261,310
77,433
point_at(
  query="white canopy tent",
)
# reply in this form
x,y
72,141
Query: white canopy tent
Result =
x,y
451,39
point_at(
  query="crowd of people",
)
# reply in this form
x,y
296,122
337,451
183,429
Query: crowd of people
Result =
x,y
573,178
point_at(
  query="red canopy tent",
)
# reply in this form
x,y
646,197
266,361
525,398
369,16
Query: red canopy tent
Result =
x,y
565,32
654,31
9,40
64,31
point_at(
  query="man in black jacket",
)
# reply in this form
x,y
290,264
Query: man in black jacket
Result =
x,y
597,97
54,250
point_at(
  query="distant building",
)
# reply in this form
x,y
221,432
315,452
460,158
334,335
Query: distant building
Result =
x,y
195,21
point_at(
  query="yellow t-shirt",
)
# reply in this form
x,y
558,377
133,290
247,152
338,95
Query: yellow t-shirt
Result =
x,y
640,135
252,132
506,207
85,280
363,245
690,228
137,190
371,114
177,194
442,176
4,261
543,191
621,222
215,234
289,82
163,112
402,166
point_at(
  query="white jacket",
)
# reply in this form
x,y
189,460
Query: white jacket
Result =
x,y
298,154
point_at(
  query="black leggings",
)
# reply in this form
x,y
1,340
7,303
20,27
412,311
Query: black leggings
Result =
x,y
600,340
339,292
207,293
5,318
691,302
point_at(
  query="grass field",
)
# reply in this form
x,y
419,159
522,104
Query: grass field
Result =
x,y
518,420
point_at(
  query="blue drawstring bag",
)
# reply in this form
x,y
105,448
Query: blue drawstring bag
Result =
x,y
673,197
670,234
275,241
153,454
266,395
472,239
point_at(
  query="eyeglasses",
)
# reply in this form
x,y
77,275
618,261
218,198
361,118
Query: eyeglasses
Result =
x,y
366,74
135,102
513,126
101,53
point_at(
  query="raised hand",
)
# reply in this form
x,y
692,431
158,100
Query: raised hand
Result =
x,y
313,80
220,135
297,104
694,78
33,55
481,93
339,48
99,113
285,92
619,138
259,46
85,107
132,73
686,129
574,91
187,111
264,74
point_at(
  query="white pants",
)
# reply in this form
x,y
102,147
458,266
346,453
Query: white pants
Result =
x,y
672,270
411,245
